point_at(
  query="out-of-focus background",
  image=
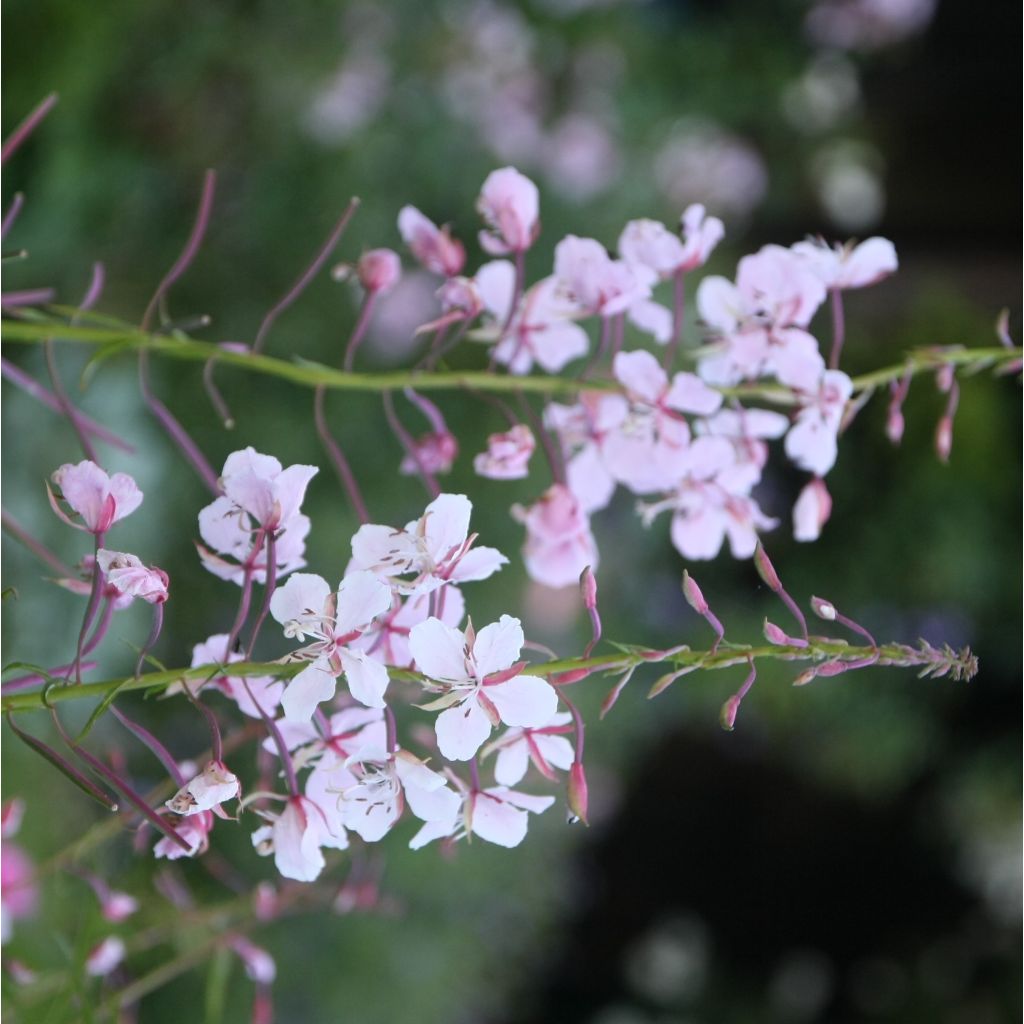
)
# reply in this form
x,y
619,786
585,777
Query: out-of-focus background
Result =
x,y
852,851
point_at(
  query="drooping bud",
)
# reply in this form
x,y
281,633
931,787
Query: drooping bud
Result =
x,y
577,795
894,425
765,569
692,593
379,270
823,609
727,716
811,511
105,957
588,588
774,635
944,437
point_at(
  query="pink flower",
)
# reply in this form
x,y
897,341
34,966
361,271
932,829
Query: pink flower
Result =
x,y
811,442
82,585
645,451
481,680
435,453
386,783
559,544
595,282
258,963
100,500
435,550
545,746
246,693
378,270
206,791
294,837
650,244
305,606
103,958
508,454
497,815
510,205
127,575
257,484
195,830
812,510
541,329
700,236
431,245
18,893
387,638
849,266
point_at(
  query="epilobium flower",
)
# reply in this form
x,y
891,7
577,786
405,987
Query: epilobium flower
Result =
x,y
497,815
432,246
510,204
435,549
849,265
127,575
378,270
481,682
209,789
100,500
508,454
195,830
306,607
546,746
259,485
294,837
386,783
811,511
559,544
811,443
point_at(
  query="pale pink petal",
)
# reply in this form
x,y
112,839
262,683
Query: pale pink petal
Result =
x,y
433,830
126,494
495,281
296,850
383,550
510,204
589,479
303,596
556,750
720,304
512,762
811,511
361,598
313,685
652,318
497,821
558,343
641,374
367,678
527,801
446,524
869,262
462,730
439,650
524,701
477,564
699,535
689,393
497,647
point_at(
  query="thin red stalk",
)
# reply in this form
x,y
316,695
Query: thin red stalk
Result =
x,y
341,466
511,418
41,394
307,275
154,635
551,453
26,128
282,747
474,774
678,314
40,550
74,416
429,481
856,627
577,721
392,729
12,213
90,608
356,339
188,254
159,751
246,597
220,406
838,329
175,430
27,297
216,743
268,591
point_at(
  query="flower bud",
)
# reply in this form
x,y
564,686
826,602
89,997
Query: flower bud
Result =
x,y
765,569
105,957
692,593
588,588
727,716
578,791
894,426
805,677
944,438
379,270
774,635
823,609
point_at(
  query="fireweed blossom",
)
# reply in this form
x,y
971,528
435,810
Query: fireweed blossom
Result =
x,y
480,681
559,543
387,638
812,442
207,791
849,266
307,608
128,576
434,550
432,246
257,490
97,499
545,746
510,205
294,837
508,454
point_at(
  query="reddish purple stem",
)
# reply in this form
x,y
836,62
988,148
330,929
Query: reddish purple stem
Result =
x,y
12,213
838,329
429,481
25,129
359,331
678,313
28,297
337,457
159,751
40,550
268,591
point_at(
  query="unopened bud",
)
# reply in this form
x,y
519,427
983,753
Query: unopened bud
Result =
x,y
832,668
574,675
805,677
588,588
692,593
944,438
379,270
765,569
578,791
944,377
727,716
774,635
823,609
894,426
